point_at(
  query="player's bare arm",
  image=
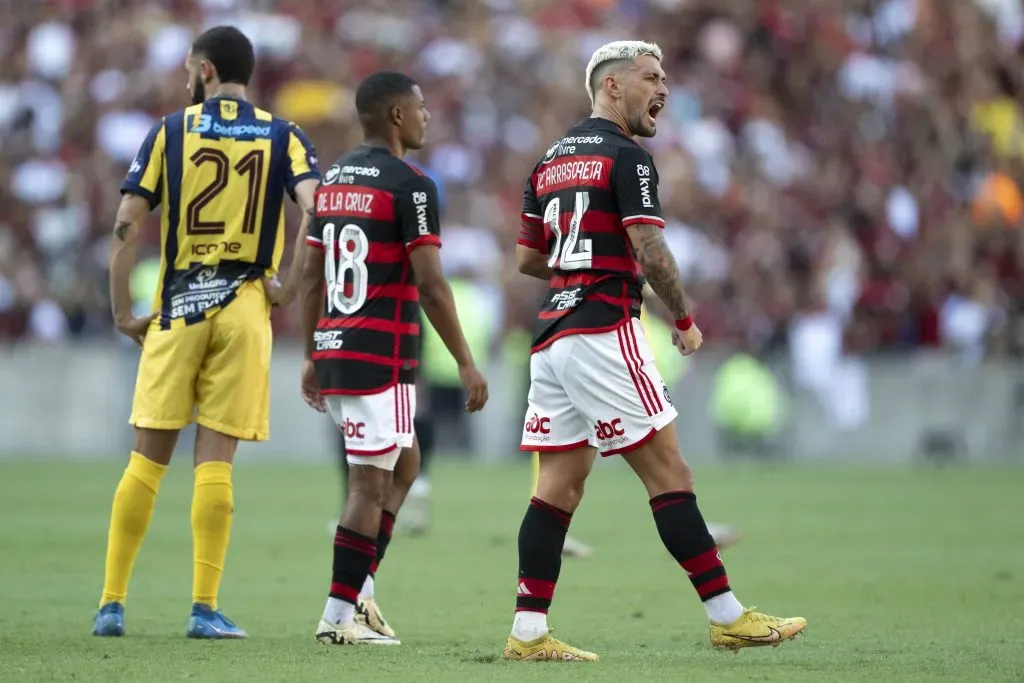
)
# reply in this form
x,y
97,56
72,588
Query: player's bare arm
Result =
x,y
439,306
282,294
662,274
311,286
533,262
130,216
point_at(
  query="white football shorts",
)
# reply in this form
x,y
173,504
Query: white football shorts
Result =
x,y
376,426
599,389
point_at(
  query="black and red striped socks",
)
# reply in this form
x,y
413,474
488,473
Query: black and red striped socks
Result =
x,y
541,537
387,528
353,556
685,535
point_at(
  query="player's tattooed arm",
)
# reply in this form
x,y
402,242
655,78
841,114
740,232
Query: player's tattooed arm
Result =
x,y
659,267
130,216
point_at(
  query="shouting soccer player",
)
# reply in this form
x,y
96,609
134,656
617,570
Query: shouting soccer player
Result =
x,y
374,247
591,224
220,169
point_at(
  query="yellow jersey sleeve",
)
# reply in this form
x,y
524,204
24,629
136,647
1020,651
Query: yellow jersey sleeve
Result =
x,y
302,161
145,175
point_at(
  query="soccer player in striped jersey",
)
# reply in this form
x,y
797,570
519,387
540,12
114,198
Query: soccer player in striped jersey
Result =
x,y
373,249
220,170
592,226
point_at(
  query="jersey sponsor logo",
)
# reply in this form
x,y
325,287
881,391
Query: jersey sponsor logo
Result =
x,y
419,199
538,425
204,123
582,140
230,248
354,430
573,172
569,298
522,589
371,171
609,430
135,167
643,174
332,174
328,341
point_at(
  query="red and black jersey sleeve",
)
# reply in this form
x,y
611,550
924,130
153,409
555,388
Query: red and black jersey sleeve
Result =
x,y
635,184
416,211
531,230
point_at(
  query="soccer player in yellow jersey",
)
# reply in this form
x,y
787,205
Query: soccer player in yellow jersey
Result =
x,y
219,170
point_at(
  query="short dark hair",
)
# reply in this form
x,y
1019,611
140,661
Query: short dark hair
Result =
x,y
230,52
602,70
378,92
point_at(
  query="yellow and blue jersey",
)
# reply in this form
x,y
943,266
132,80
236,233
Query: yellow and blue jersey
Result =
x,y
220,171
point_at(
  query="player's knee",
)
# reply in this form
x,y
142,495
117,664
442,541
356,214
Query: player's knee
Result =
x,y
156,444
368,484
661,467
407,469
564,493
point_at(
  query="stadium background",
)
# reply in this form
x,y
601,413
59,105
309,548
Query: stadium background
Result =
x,y
842,185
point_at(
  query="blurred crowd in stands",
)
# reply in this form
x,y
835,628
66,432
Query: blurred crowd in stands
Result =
x,y
857,162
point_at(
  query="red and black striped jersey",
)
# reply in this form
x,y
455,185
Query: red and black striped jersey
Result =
x,y
578,201
372,210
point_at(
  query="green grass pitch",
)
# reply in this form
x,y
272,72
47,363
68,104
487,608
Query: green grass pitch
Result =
x,y
904,575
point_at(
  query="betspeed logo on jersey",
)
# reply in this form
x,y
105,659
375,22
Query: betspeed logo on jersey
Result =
x,y
643,174
204,123
354,430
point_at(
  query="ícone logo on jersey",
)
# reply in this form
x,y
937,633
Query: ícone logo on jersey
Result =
x,y
609,430
354,430
538,425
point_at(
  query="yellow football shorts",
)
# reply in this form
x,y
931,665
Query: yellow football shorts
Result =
x,y
216,372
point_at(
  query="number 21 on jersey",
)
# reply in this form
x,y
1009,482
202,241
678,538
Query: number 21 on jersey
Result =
x,y
345,268
569,252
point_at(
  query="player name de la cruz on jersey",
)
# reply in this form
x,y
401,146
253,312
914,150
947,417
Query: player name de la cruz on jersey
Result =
x,y
220,171
588,188
372,210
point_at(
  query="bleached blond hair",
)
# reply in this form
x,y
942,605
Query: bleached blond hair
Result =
x,y
615,51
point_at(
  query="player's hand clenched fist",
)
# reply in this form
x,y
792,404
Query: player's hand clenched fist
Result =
x,y
688,341
476,388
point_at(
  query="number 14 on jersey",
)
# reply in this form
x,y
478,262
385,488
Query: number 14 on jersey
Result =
x,y
569,252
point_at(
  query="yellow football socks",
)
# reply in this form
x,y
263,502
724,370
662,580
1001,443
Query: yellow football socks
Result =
x,y
212,509
129,520
536,473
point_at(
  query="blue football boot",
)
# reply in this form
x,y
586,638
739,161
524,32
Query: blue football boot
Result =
x,y
109,621
209,623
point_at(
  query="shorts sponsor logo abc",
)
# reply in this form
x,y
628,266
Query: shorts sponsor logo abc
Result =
x,y
538,425
354,430
609,430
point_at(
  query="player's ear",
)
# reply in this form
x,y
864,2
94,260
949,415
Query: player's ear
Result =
x,y
207,72
395,115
